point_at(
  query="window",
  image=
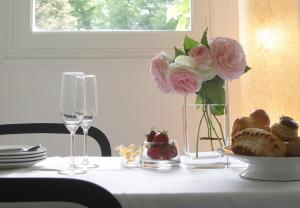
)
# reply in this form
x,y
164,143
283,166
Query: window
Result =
x,y
27,40
111,15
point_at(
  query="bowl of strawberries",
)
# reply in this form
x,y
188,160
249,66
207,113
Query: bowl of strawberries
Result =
x,y
159,152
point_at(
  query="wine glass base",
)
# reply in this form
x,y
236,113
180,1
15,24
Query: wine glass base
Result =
x,y
87,166
72,171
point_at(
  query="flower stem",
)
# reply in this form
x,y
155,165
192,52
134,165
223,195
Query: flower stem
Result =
x,y
204,109
211,128
211,112
198,135
220,126
185,132
209,125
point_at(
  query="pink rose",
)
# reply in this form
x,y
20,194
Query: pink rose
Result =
x,y
201,55
183,80
228,58
158,71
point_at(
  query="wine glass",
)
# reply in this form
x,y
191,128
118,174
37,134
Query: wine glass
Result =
x,y
72,110
89,115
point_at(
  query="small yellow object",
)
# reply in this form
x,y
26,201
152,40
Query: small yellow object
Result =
x,y
129,153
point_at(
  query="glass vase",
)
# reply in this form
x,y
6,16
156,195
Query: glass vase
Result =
x,y
205,131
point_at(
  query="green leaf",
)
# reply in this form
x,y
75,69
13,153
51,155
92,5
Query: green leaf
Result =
x,y
189,43
218,110
204,40
199,99
214,92
247,68
178,52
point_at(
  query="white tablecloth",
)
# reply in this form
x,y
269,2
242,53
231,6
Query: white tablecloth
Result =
x,y
176,188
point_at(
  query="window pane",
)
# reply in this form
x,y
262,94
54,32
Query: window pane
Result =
x,y
111,15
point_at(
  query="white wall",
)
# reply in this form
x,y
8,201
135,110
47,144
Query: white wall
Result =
x,y
129,103
271,33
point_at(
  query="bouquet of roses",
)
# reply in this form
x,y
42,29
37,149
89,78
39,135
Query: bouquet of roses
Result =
x,y
201,67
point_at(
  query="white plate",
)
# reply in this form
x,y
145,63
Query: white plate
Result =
x,y
17,153
268,168
14,165
22,156
14,160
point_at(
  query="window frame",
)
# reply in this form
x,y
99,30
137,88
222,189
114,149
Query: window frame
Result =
x,y
24,45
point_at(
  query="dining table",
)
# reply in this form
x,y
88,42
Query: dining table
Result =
x,y
180,187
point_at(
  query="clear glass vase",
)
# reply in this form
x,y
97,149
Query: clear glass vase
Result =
x,y
206,130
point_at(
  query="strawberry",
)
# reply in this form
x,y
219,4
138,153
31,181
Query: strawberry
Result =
x,y
168,151
173,151
162,151
151,135
154,152
161,137
165,151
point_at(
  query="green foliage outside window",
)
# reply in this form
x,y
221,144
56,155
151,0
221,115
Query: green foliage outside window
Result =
x,y
77,15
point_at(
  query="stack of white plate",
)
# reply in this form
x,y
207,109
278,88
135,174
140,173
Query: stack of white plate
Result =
x,y
18,156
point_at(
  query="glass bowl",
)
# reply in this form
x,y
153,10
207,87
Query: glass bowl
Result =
x,y
160,155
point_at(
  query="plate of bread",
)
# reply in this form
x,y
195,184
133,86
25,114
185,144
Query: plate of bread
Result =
x,y
272,151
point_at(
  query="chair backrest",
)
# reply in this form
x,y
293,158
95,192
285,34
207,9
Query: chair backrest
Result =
x,y
56,128
56,190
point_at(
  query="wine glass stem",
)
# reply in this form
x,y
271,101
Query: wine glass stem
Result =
x,y
85,145
72,144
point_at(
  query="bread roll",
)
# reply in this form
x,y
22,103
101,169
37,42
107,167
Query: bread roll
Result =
x,y
286,129
261,118
257,119
240,124
258,142
293,148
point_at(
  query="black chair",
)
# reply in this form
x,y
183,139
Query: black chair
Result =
x,y
56,128
56,190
